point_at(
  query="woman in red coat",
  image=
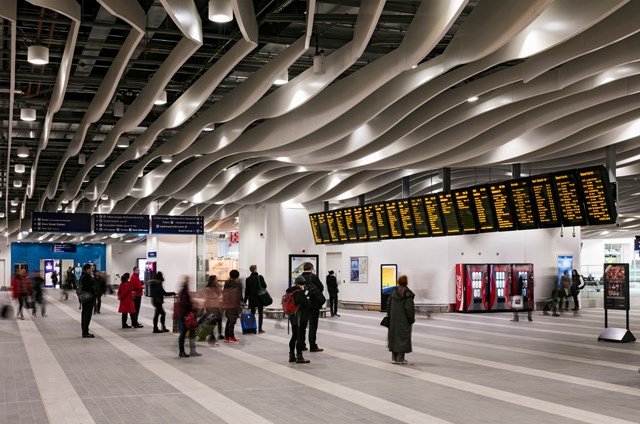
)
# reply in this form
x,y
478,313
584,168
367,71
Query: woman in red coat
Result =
x,y
126,299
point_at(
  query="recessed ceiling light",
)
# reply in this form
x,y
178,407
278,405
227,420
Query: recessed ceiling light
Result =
x,y
100,165
38,54
123,142
23,152
220,11
27,114
19,168
209,128
472,99
282,78
17,183
162,99
167,159
64,201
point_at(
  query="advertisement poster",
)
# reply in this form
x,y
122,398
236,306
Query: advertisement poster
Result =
x,y
565,263
296,263
388,279
359,269
616,286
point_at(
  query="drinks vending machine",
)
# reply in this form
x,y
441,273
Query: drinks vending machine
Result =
x,y
523,272
499,286
472,288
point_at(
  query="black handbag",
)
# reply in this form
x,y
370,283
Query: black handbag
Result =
x,y
385,321
264,297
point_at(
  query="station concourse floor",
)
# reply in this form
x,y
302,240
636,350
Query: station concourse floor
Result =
x,y
465,368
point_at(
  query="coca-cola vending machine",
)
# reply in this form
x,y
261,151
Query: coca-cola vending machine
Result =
x,y
524,273
499,286
472,288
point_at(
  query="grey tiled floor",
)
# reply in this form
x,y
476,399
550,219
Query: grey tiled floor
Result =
x,y
478,368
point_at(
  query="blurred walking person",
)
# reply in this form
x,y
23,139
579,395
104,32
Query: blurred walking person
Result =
x,y
402,315
213,306
37,282
21,289
184,306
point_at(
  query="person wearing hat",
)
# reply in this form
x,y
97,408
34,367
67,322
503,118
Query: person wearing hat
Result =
x,y
332,288
298,320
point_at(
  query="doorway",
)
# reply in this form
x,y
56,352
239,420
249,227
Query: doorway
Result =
x,y
334,262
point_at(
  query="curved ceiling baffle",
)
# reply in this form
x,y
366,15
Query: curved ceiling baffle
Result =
x,y
144,102
189,102
70,9
295,93
426,28
132,13
8,11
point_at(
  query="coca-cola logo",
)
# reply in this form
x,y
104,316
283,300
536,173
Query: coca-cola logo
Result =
x,y
459,288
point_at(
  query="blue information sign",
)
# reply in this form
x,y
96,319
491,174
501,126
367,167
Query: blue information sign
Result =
x,y
109,223
63,248
179,224
54,222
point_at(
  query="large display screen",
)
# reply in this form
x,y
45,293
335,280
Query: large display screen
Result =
x,y
395,222
434,213
523,204
465,210
420,218
598,199
484,209
569,199
545,201
406,221
502,207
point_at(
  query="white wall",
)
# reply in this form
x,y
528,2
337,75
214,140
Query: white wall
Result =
x,y
122,257
177,257
428,262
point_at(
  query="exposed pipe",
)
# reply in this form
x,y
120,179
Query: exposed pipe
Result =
x,y
38,33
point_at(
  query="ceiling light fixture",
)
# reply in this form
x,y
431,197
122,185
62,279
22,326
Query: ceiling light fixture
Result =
x,y
167,159
19,168
104,197
100,165
17,183
82,159
282,78
1,214
318,63
13,210
64,201
472,99
23,152
209,128
162,99
28,114
123,142
38,54
15,202
220,11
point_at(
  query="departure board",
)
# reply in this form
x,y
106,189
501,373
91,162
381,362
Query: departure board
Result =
x,y
395,222
370,219
569,199
465,210
333,227
598,195
502,207
361,223
448,209
420,218
340,225
523,204
382,221
324,227
350,224
484,209
315,228
406,221
545,201
434,215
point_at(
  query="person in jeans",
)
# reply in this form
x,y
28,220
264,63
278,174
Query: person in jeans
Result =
x,y
86,285
402,315
253,284
158,293
232,301
137,288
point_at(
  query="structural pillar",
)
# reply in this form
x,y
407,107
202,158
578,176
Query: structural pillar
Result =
x,y
445,176
406,187
516,170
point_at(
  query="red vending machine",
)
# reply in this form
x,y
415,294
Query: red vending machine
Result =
x,y
472,287
524,272
499,286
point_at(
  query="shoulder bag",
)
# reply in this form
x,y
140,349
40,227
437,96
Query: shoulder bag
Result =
x,y
190,320
385,321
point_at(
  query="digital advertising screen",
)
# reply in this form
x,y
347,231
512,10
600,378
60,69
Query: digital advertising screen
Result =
x,y
350,225
484,209
333,227
315,228
395,222
523,204
598,195
370,219
420,219
449,215
616,286
545,202
382,221
434,214
502,207
341,226
465,210
360,222
569,199
388,279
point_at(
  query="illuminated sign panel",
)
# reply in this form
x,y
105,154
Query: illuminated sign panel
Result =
x,y
361,223
315,228
370,219
569,199
465,210
434,213
502,207
382,221
420,217
341,226
395,222
523,204
598,197
350,225
545,202
484,209
406,221
448,209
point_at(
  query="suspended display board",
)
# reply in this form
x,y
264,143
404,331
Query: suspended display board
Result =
x,y
567,198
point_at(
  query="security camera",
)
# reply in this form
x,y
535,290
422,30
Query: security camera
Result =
x,y
261,234
304,251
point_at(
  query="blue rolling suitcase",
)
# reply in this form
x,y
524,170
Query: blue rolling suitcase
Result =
x,y
248,323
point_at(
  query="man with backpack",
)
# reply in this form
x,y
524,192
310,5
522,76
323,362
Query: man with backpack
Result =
x,y
317,300
296,306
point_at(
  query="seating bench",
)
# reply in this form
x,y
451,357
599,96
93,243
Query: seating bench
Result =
x,y
278,314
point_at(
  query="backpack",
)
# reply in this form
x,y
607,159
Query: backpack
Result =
x,y
289,307
316,298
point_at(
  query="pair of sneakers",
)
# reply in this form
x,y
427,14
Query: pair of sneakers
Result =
x,y
231,339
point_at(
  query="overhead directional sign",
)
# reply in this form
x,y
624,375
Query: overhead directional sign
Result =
x,y
53,222
108,223
179,224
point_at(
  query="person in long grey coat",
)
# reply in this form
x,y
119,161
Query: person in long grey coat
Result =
x,y
402,315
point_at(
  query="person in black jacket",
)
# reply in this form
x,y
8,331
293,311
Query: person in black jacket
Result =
x,y
317,300
37,282
332,288
298,321
577,284
402,315
100,287
253,284
157,294
232,301
86,285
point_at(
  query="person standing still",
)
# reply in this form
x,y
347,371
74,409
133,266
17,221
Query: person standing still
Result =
x,y
316,298
158,293
126,306
577,284
565,284
86,285
137,288
253,284
232,299
402,315
298,321
332,288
